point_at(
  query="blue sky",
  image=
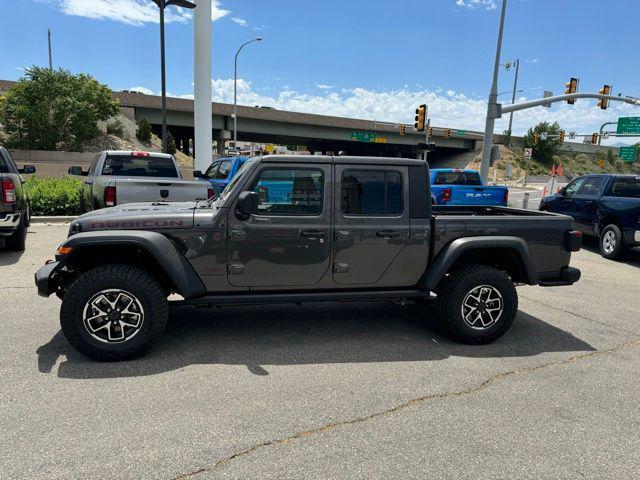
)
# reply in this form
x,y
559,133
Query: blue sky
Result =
x,y
374,59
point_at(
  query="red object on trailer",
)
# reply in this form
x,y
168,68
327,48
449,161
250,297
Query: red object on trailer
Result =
x,y
560,170
553,170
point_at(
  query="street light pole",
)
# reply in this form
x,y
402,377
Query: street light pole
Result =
x,y
50,57
235,92
162,4
492,107
513,97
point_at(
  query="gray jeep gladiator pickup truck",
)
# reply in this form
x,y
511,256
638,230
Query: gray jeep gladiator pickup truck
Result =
x,y
292,229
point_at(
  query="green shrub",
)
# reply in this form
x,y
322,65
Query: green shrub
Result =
x,y
54,196
171,144
115,128
143,133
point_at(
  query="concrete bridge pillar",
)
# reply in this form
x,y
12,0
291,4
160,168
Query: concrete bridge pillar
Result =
x,y
221,136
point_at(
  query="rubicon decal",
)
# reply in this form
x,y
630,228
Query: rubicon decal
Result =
x,y
136,224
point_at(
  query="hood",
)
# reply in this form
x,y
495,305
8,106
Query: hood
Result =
x,y
137,216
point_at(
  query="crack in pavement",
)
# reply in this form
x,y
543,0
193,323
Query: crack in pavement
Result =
x,y
611,327
403,406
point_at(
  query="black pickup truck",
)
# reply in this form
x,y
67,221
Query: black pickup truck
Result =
x,y
298,229
14,204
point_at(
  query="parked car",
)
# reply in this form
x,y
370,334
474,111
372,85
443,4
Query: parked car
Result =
x,y
119,177
301,229
453,186
15,215
220,172
606,206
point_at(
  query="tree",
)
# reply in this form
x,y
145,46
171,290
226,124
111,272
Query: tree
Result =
x,y
543,150
54,109
171,144
143,133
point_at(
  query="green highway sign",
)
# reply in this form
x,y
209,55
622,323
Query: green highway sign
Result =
x,y
628,125
363,137
461,132
628,154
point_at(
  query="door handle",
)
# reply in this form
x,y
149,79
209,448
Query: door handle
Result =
x,y
387,234
312,234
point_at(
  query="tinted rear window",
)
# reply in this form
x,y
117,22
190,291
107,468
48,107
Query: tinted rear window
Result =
x,y
132,166
626,187
457,178
372,192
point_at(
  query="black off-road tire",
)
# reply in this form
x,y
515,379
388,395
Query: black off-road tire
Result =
x,y
452,293
132,280
611,242
18,241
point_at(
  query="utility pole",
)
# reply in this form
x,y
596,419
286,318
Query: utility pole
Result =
x,y
493,106
515,87
50,59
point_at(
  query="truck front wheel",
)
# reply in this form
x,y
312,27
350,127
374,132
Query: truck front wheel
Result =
x,y
113,312
477,304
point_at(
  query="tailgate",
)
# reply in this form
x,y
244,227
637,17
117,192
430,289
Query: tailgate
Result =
x,y
132,190
477,195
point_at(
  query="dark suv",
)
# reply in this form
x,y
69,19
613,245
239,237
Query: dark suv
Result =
x,y
14,205
300,229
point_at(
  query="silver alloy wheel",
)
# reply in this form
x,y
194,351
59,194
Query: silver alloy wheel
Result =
x,y
482,307
113,316
609,241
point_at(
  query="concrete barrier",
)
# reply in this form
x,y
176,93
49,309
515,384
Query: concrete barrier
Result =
x,y
55,164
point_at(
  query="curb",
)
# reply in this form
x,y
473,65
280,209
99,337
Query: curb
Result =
x,y
56,220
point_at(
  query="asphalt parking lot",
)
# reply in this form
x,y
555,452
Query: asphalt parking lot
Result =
x,y
353,390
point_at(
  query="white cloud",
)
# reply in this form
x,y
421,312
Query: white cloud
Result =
x,y
240,21
447,108
531,60
471,4
144,90
131,12
324,86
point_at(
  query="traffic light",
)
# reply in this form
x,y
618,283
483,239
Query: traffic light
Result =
x,y
594,138
536,138
561,138
430,131
403,129
571,87
602,103
421,115
447,132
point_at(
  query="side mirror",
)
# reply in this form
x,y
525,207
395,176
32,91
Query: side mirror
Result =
x,y
562,191
247,205
27,169
198,174
75,170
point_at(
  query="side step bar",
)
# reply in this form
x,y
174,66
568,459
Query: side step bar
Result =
x,y
292,297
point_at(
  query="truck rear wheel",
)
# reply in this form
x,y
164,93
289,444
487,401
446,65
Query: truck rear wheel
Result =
x,y
18,240
477,304
113,312
611,242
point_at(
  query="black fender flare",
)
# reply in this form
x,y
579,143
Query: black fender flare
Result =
x,y
161,248
449,254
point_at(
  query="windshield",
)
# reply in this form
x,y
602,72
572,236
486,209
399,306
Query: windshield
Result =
x,y
236,179
457,178
139,166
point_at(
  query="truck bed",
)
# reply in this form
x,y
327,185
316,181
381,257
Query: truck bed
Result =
x,y
543,236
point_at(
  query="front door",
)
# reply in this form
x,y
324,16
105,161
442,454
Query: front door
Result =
x,y
586,204
371,222
288,242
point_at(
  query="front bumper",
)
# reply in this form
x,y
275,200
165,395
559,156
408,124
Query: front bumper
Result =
x,y
566,276
45,279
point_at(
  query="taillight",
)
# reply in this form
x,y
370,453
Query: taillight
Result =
x,y
574,240
446,195
210,193
139,154
506,197
109,196
8,191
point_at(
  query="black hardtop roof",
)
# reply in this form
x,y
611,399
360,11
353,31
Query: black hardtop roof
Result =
x,y
341,160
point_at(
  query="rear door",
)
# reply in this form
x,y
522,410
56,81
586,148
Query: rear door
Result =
x,y
287,243
371,221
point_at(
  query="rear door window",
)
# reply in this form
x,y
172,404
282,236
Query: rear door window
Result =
x,y
625,187
139,166
371,192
